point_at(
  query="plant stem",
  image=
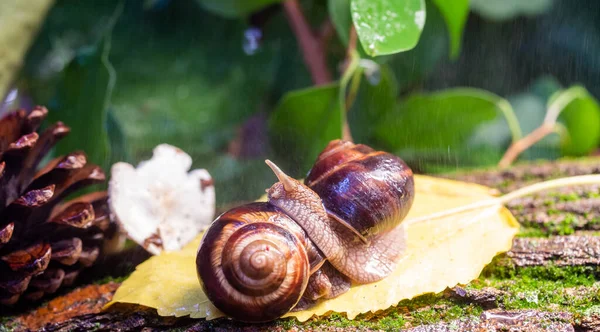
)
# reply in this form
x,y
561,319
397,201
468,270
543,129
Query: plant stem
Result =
x,y
547,127
525,143
351,69
534,188
354,86
312,49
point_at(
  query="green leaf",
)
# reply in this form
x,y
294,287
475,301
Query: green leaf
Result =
x,y
581,119
507,9
235,8
339,12
455,14
303,123
19,21
414,66
82,102
444,127
388,26
118,142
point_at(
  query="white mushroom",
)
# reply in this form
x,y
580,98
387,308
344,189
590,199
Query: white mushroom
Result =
x,y
159,204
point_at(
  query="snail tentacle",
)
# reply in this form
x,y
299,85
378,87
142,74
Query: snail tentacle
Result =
x,y
360,262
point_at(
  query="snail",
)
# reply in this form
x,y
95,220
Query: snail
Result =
x,y
310,240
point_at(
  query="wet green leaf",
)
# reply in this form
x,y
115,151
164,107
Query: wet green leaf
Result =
x,y
446,127
388,26
303,123
339,12
581,119
119,147
82,101
455,14
235,8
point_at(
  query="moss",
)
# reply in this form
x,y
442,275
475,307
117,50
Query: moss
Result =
x,y
542,287
532,232
593,194
503,268
594,223
566,226
422,310
569,197
7,324
108,279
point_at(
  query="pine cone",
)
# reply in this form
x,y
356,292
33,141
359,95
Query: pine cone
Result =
x,y
44,242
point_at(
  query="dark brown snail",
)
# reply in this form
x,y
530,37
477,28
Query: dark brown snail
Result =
x,y
309,241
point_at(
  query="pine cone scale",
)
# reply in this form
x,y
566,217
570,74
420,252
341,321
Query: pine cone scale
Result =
x,y
34,198
24,143
44,241
31,260
35,118
49,281
11,128
6,233
78,215
67,252
45,143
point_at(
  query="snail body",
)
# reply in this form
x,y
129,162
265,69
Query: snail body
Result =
x,y
310,240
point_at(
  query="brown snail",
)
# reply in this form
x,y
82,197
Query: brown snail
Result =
x,y
310,241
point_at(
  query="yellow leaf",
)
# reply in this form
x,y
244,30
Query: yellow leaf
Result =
x,y
440,253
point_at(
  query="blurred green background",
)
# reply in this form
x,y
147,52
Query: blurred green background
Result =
x,y
226,82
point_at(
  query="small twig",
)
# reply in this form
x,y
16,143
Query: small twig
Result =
x,y
548,126
525,143
534,188
313,51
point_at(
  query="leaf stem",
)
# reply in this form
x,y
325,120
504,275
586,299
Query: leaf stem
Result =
x,y
534,188
313,50
352,65
351,68
354,86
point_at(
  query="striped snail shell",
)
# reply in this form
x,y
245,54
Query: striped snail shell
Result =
x,y
370,190
255,261
260,262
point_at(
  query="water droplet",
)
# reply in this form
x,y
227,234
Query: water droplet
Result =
x,y
252,40
372,71
420,19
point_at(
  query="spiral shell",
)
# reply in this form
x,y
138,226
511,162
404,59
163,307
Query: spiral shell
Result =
x,y
370,190
253,263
